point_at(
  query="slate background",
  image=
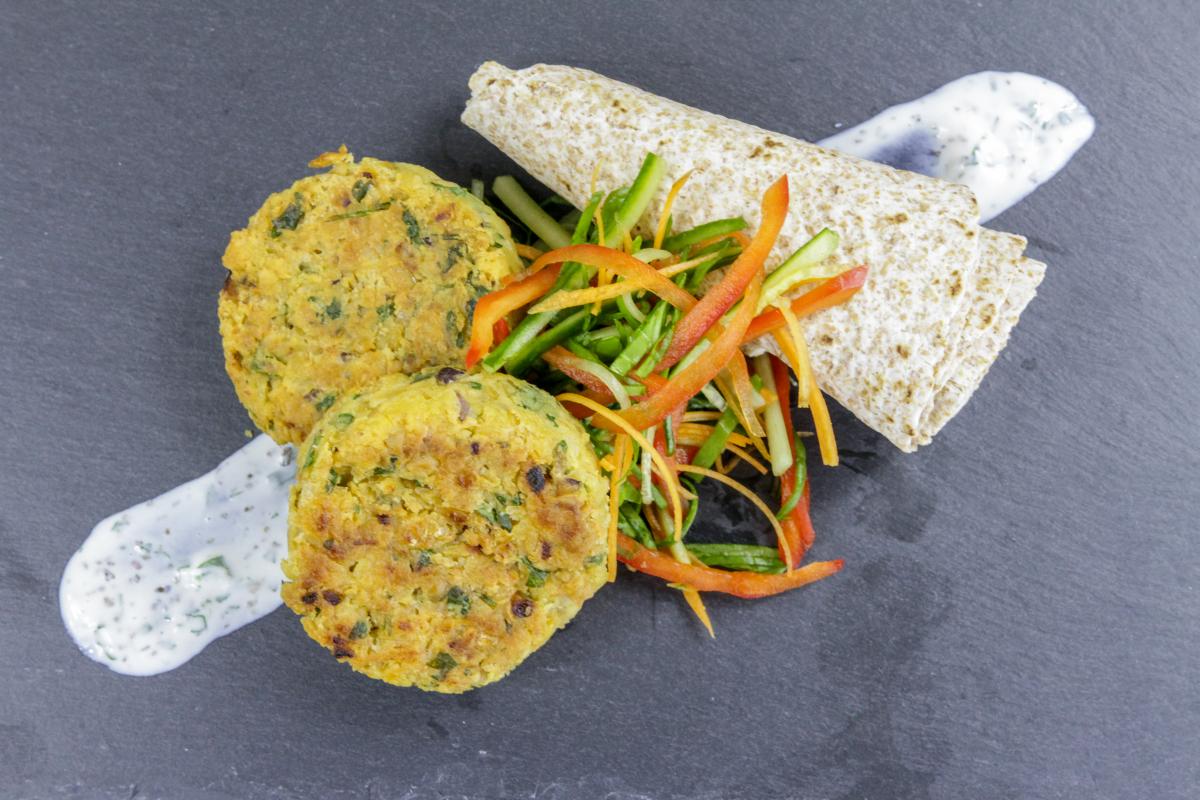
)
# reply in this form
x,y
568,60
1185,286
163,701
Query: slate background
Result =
x,y
1019,616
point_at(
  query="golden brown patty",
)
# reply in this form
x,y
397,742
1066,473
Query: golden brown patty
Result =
x,y
364,270
443,526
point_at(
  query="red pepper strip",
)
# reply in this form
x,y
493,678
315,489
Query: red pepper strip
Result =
x,y
685,384
500,331
831,292
494,306
709,579
623,264
749,263
797,526
563,360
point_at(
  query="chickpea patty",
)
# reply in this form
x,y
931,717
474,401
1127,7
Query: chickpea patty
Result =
x,y
443,526
364,270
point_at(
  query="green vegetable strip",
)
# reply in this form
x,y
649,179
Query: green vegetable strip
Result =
x,y
629,308
477,188
529,212
521,360
779,445
580,236
641,341
706,456
669,435
701,232
638,198
753,557
801,477
797,267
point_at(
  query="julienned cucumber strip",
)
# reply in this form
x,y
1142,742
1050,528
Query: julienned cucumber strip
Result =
x,y
708,230
797,267
528,211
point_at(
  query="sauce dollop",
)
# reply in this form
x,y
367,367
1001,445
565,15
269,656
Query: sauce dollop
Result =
x,y
154,584
1003,134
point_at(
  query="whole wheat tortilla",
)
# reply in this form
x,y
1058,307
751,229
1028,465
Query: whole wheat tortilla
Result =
x,y
889,353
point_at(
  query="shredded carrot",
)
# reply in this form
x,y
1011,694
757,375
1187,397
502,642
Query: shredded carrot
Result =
x,y
732,402
740,375
527,252
670,478
721,466
608,464
593,294
627,240
614,501
601,273
700,416
804,377
661,232
744,456
738,236
824,426
697,605
816,402
671,270
788,347
741,489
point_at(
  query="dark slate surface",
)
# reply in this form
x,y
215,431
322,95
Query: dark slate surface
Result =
x,y
1019,617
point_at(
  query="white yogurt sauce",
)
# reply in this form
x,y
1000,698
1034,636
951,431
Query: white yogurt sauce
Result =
x,y
1001,133
154,584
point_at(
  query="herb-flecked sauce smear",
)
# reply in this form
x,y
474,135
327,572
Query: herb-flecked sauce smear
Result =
x,y
1003,134
154,584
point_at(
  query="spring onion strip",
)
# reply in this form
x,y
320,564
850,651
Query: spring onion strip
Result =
x,y
605,376
529,212
798,267
739,488
778,441
670,478
708,230
801,477
477,188
630,308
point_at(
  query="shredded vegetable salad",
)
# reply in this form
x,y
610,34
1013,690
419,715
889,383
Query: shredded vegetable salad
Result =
x,y
643,342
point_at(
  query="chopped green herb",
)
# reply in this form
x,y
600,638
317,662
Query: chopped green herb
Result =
x,y
360,629
311,456
203,620
443,663
290,217
343,420
337,478
537,577
495,516
424,559
362,212
361,187
454,254
414,227
216,562
386,311
487,600
592,561
325,402
458,600
457,191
